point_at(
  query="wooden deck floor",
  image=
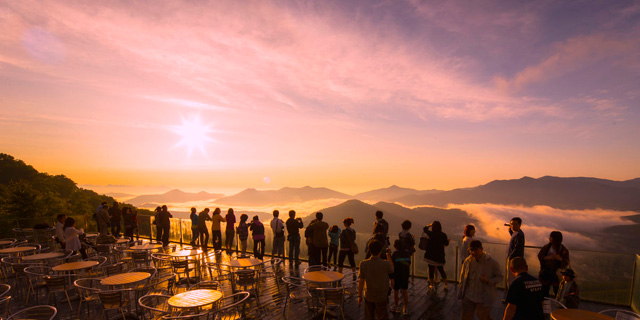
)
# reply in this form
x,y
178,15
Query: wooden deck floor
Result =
x,y
441,304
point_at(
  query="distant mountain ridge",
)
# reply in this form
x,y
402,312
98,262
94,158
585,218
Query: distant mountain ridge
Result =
x,y
173,196
391,193
253,197
563,193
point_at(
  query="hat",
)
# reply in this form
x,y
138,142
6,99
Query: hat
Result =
x,y
569,273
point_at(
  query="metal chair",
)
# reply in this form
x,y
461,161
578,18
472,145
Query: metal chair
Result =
x,y
55,285
162,262
35,313
182,267
218,272
35,275
232,307
165,284
296,291
272,269
113,300
4,306
332,297
140,258
14,266
154,306
4,289
621,314
88,289
213,285
113,269
549,305
247,279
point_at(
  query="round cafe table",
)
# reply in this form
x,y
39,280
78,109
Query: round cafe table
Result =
x,y
323,276
17,250
43,256
578,314
186,253
72,266
125,278
244,263
194,298
146,246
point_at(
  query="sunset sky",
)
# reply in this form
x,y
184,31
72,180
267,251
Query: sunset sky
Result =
x,y
350,95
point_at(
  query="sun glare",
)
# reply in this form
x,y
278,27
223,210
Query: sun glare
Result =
x,y
194,134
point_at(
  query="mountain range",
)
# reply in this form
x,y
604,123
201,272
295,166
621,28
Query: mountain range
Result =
x,y
253,197
173,196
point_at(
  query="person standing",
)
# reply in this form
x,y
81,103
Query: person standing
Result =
x,y
569,293
334,235
347,242
156,221
95,215
194,227
552,256
277,227
230,229
293,228
516,245
374,273
257,232
116,219
243,233
434,255
479,278
385,226
319,240
408,242
129,222
401,258
216,230
468,234
202,228
103,220
524,296
165,223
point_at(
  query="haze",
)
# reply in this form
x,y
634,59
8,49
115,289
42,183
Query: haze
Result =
x,y
350,95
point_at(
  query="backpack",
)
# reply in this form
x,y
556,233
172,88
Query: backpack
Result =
x,y
408,243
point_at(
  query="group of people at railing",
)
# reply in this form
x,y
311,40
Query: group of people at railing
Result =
x,y
112,218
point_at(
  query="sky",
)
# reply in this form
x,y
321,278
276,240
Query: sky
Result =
x,y
350,95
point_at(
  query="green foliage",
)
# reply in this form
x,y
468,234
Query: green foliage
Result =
x,y
26,193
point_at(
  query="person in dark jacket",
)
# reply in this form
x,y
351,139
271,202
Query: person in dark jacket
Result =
x,y
434,255
552,256
202,228
165,222
243,233
347,240
116,219
129,219
194,227
293,229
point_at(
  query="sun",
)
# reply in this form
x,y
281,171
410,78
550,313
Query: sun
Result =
x,y
194,134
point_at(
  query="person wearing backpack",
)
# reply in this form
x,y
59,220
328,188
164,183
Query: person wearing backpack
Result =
x,y
385,228
407,240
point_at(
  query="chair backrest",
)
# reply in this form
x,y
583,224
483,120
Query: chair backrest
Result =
x,y
165,283
100,259
549,305
35,313
332,295
89,284
161,260
36,273
294,283
156,304
245,277
4,306
231,306
112,269
213,285
621,314
316,268
56,282
111,298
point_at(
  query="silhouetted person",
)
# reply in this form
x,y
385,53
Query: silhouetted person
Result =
x,y
165,223
385,225
194,227
243,233
434,255
552,256
230,229
374,272
293,228
319,241
347,242
216,229
116,219
103,220
516,245
277,227
257,231
202,228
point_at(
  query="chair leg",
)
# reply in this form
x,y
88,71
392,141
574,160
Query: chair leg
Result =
x,y
68,300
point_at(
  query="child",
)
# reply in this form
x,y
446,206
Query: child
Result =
x,y
334,235
569,293
243,233
401,270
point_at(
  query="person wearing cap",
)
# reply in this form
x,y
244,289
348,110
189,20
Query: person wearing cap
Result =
x,y
569,293
479,277
524,296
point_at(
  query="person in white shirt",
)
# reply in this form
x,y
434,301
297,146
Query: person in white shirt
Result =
x,y
71,237
59,232
277,226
